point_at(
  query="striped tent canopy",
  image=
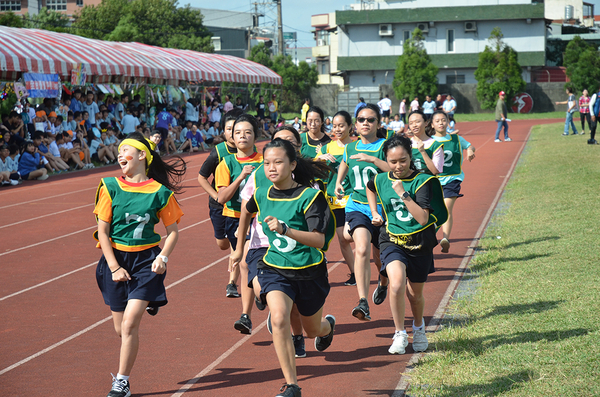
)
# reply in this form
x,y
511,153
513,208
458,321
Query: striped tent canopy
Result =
x,y
42,51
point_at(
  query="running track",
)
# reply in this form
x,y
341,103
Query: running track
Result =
x,y
58,338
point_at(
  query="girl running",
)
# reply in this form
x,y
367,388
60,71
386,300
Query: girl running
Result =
x,y
363,159
315,137
132,268
333,153
297,221
225,237
453,175
230,177
427,153
413,205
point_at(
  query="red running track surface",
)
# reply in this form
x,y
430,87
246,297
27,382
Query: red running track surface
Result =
x,y
58,337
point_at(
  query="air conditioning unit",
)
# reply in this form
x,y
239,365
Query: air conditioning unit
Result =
x,y
385,29
470,26
320,42
423,27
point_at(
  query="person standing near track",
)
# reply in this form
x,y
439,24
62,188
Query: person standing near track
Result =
x,y
230,177
413,205
299,225
132,269
363,159
427,154
452,175
304,111
333,153
571,103
225,238
500,117
595,113
584,110
315,137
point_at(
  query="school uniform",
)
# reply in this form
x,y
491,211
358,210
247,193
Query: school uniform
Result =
x,y
402,238
297,270
309,146
452,175
133,209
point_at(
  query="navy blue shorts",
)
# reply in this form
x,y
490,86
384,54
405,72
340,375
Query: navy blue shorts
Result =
x,y
144,284
308,295
417,267
25,176
252,258
452,189
231,226
340,217
357,219
218,220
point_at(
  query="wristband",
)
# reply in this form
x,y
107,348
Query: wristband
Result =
x,y
164,258
284,227
115,270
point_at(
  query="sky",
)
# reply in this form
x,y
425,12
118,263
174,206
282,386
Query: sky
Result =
x,y
296,13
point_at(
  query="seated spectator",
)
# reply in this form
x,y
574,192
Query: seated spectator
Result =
x,y
397,125
50,143
68,152
4,135
111,140
5,170
212,133
84,153
194,141
98,150
328,125
183,134
280,123
51,163
296,124
14,124
155,138
31,165
13,161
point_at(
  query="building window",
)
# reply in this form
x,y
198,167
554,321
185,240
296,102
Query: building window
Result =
x,y
216,41
10,5
56,5
323,67
406,35
450,40
80,3
455,79
322,37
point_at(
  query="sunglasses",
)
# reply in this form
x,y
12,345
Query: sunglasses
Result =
x,y
370,120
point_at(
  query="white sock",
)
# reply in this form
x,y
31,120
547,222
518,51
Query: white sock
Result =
x,y
401,332
122,377
415,328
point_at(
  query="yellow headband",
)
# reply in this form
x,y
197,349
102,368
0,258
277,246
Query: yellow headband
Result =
x,y
139,146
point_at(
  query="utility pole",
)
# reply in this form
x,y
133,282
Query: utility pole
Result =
x,y
280,42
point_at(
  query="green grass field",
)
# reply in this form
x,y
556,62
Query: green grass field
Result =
x,y
532,327
513,116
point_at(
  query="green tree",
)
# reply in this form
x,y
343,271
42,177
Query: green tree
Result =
x,y
297,80
48,20
154,22
498,70
415,74
11,20
582,61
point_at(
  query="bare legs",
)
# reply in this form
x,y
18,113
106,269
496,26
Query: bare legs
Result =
x,y
127,325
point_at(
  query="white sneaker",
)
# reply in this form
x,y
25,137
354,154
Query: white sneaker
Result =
x,y
497,140
445,244
508,140
400,341
14,182
420,342
43,177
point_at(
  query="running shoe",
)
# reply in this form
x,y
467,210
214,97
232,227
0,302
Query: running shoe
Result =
x,y
351,280
565,134
445,244
289,391
508,140
400,341
323,342
259,305
244,324
575,133
497,140
269,326
379,294
299,346
152,310
43,177
231,290
420,342
361,311
120,388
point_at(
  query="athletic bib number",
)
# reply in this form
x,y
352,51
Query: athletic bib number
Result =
x,y
360,183
398,206
448,159
289,246
143,221
417,163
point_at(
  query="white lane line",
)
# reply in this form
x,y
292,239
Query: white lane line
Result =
x,y
82,268
44,216
48,241
48,197
441,309
96,324
228,353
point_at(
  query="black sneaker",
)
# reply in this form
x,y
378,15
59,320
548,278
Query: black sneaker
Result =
x,y
231,291
361,311
152,310
299,346
244,324
120,388
259,305
379,294
351,280
323,342
289,391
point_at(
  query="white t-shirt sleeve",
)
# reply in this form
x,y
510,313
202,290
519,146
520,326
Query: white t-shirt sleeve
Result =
x,y
248,190
438,160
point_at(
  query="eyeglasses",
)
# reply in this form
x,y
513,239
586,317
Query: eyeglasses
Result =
x,y
370,120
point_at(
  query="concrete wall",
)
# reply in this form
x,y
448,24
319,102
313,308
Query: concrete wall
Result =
x,y
443,3
544,96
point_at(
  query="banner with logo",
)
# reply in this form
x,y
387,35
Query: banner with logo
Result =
x,y
523,103
78,76
42,85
